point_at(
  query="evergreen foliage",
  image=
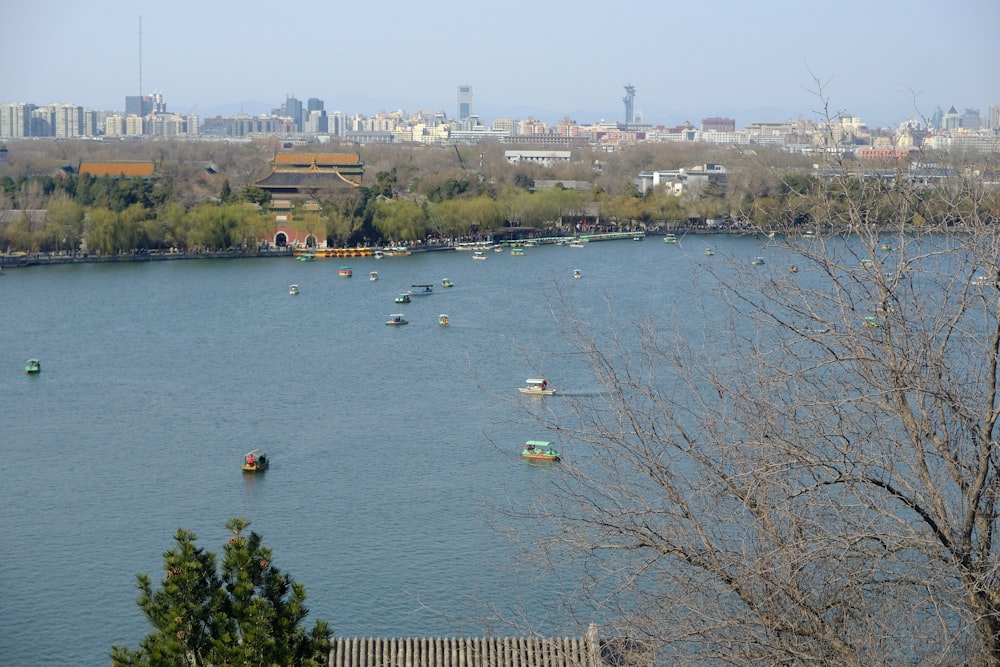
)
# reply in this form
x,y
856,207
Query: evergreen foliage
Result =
x,y
248,612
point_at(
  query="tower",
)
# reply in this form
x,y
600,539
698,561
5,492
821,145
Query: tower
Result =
x,y
629,101
464,102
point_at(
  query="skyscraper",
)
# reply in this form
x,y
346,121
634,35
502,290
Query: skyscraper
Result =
x,y
292,108
138,105
629,101
464,102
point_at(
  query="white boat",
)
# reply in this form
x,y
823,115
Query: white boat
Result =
x,y
578,244
536,387
378,254
373,275
293,289
757,261
670,238
421,290
576,273
478,254
396,319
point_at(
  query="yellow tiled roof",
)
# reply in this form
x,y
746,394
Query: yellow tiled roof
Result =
x,y
321,159
137,169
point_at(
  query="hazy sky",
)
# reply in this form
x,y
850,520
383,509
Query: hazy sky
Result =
x,y
753,60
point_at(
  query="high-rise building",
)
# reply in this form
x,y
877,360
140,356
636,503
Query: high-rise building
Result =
x,y
464,102
951,120
139,105
993,119
629,101
316,122
15,120
67,121
971,120
937,120
718,125
293,109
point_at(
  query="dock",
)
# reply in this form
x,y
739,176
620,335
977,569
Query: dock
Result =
x,y
586,651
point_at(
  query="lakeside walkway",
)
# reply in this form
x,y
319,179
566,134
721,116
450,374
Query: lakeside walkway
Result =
x,y
41,259
14,260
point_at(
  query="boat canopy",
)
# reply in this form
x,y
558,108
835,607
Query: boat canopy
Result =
x,y
534,381
538,444
257,454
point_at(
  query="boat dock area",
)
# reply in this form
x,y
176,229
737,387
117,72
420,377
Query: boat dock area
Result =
x,y
322,253
587,651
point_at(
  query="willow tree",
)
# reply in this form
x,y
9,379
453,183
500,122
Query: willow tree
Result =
x,y
400,220
807,470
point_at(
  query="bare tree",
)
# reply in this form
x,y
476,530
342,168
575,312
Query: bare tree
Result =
x,y
806,472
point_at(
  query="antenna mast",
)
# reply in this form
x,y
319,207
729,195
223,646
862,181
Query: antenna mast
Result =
x,y
140,55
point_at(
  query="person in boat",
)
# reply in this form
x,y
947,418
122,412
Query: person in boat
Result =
x,y
545,384
250,460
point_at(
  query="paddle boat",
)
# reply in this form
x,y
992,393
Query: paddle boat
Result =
x,y
478,254
871,322
576,273
306,257
757,261
517,251
378,254
578,244
402,298
255,461
980,281
443,320
446,282
639,237
885,247
539,450
293,289
373,275
396,319
346,272
536,387
709,252
33,367
421,290
670,238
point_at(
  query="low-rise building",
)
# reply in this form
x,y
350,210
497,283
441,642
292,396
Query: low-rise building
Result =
x,y
681,181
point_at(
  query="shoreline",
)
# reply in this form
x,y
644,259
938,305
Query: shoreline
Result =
x,y
41,259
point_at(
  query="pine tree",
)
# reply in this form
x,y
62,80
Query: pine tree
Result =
x,y
249,614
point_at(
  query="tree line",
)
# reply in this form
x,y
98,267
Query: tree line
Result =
x,y
413,196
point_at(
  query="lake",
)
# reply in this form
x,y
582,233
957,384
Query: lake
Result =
x,y
388,444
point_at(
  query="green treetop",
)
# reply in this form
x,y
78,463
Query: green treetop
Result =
x,y
250,613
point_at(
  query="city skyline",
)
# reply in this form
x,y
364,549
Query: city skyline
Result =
x,y
884,63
